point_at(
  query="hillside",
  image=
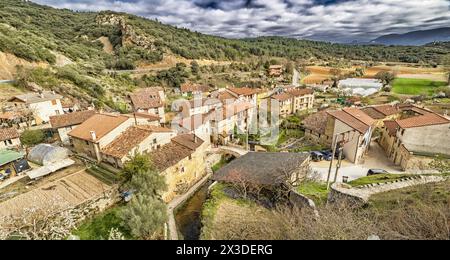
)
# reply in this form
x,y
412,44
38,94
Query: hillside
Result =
x,y
415,38
74,51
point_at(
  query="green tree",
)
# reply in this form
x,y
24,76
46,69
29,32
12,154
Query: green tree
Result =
x,y
385,77
144,216
32,137
195,67
146,213
446,63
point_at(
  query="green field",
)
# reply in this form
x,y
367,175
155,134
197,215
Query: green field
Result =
x,y
416,86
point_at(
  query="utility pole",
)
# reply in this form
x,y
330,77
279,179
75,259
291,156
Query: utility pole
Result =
x,y
338,164
331,162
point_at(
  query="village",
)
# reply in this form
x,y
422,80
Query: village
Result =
x,y
56,152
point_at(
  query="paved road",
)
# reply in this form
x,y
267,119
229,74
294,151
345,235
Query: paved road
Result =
x,y
375,159
6,81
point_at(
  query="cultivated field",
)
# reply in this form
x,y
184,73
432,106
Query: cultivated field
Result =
x,y
66,192
408,86
402,70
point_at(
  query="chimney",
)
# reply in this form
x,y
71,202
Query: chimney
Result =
x,y
93,136
41,94
195,138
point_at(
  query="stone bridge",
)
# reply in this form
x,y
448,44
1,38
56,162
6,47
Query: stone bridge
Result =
x,y
231,150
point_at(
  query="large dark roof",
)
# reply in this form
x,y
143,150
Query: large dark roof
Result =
x,y
261,168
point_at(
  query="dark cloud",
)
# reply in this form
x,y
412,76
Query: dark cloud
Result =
x,y
329,20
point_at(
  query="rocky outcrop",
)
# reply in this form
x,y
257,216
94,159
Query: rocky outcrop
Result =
x,y
129,35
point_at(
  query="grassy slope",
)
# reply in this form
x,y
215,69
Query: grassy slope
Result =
x,y
99,227
416,86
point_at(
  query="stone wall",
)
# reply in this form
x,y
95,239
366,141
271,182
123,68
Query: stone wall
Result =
x,y
340,191
95,205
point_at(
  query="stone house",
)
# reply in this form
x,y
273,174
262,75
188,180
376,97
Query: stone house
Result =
x,y
149,101
43,105
63,124
315,128
413,142
182,162
94,134
135,140
9,138
353,127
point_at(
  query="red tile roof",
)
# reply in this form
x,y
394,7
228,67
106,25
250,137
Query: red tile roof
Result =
x,y
131,138
101,124
169,155
282,97
189,87
360,115
391,126
146,98
354,118
8,134
244,91
423,120
301,92
75,118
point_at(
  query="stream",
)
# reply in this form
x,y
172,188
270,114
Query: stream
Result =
x,y
188,216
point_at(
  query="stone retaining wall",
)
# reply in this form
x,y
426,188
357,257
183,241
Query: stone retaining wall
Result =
x,y
340,191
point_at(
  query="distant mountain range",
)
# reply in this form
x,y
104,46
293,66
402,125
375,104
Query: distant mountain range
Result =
x,y
415,38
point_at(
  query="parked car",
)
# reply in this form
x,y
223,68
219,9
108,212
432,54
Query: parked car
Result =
x,y
327,155
316,156
376,172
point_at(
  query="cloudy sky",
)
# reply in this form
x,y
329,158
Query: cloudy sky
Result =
x,y
329,20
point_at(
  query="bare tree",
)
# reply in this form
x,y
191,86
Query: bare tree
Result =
x,y
45,223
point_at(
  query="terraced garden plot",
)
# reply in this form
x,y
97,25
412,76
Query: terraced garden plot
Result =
x,y
67,192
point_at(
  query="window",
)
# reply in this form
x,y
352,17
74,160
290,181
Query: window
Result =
x,y
182,169
57,112
155,141
9,142
190,157
54,102
403,132
87,143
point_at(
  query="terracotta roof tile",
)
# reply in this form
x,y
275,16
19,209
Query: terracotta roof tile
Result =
x,y
75,118
122,145
282,97
8,134
101,124
391,126
190,87
423,120
146,98
301,92
350,120
243,91
169,155
360,115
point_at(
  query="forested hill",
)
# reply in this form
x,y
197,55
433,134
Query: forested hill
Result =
x,y
36,33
